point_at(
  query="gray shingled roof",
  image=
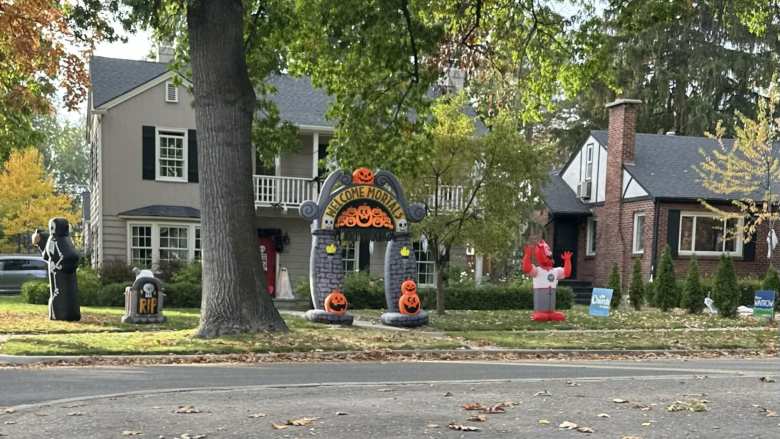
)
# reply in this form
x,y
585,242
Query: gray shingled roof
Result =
x,y
299,102
163,211
112,77
560,199
664,165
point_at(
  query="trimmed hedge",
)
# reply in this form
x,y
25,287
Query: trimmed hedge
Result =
x,y
182,295
493,297
36,292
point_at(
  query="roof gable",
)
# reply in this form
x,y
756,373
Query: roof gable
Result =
x,y
112,77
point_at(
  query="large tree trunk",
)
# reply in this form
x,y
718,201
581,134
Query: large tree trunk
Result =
x,y
234,298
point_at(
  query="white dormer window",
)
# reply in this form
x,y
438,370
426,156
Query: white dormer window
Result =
x,y
171,92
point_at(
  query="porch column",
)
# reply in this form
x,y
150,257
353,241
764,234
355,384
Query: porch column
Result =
x,y
478,261
315,153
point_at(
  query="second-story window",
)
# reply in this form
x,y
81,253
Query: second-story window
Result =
x,y
171,155
588,162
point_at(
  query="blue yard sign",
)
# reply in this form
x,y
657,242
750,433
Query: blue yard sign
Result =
x,y
764,305
599,302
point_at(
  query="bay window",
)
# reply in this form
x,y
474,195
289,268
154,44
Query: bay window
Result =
x,y
152,243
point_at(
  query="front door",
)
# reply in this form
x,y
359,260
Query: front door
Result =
x,y
565,234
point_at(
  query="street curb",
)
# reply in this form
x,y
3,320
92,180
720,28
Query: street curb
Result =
x,y
371,355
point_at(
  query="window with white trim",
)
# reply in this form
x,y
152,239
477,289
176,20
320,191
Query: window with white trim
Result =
x,y
197,253
350,256
150,243
707,234
588,162
171,155
141,245
171,92
590,237
638,246
174,244
426,267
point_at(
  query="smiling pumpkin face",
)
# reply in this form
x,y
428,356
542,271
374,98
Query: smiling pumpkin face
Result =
x,y
336,303
409,304
363,176
408,287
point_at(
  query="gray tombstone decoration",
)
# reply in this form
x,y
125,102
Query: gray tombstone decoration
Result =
x,y
367,206
59,252
144,299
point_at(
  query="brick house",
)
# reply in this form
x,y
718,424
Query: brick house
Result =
x,y
625,195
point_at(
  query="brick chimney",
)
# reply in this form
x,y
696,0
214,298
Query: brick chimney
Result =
x,y
611,236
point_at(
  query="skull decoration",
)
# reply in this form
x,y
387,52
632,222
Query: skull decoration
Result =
x,y
327,223
363,176
403,226
336,303
409,303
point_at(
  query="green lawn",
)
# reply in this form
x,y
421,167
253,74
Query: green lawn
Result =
x,y
26,330
576,318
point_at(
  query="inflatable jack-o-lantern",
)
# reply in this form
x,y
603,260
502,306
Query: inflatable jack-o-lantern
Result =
x,y
409,303
336,303
363,176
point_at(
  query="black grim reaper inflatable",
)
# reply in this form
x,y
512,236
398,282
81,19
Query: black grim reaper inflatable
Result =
x,y
58,250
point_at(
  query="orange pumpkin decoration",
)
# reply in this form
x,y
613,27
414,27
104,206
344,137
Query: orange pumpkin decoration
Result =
x,y
336,303
408,287
363,176
409,304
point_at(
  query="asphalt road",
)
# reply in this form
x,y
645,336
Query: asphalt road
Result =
x,y
387,400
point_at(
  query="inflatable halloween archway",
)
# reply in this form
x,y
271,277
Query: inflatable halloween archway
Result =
x,y
363,205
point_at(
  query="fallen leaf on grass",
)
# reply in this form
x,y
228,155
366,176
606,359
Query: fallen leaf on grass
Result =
x,y
461,427
543,393
603,415
477,418
619,401
257,415
131,433
566,425
186,409
585,429
767,380
473,406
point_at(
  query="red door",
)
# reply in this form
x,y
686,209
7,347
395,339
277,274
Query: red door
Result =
x,y
268,261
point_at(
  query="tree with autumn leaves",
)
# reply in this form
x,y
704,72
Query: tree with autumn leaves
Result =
x,y
27,196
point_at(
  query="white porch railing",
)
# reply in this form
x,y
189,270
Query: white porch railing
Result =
x,y
272,191
450,199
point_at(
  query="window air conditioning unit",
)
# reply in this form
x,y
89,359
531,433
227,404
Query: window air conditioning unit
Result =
x,y
584,189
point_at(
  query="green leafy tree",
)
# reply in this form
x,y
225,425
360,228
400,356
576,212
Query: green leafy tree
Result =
x,y
636,292
477,187
65,153
748,169
725,291
693,293
665,284
614,284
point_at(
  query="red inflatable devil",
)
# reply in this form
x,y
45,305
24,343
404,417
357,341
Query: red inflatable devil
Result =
x,y
545,279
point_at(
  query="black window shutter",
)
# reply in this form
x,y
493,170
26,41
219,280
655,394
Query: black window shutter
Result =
x,y
673,231
749,249
192,156
148,152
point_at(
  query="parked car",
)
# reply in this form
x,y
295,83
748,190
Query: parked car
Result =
x,y
18,269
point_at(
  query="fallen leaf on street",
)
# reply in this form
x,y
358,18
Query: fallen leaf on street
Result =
x,y
75,414
9,422
646,424
461,427
131,433
301,422
186,409
477,418
572,384
769,413
641,406
543,393
603,415
341,413
693,405
192,436
585,429
279,426
9,411
544,422
767,380
473,406
432,426
619,401
566,425
257,415
631,437
493,409
447,394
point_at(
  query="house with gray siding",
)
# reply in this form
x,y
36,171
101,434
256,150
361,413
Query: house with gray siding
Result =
x,y
144,201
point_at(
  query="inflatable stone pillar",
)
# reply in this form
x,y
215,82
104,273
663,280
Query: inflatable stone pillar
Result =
x,y
400,265
326,275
